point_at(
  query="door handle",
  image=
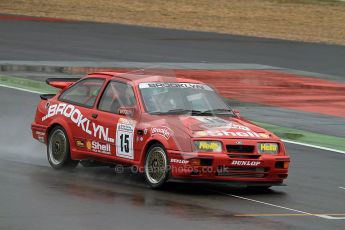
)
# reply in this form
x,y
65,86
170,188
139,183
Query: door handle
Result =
x,y
140,132
94,115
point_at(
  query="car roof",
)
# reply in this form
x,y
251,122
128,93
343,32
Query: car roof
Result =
x,y
137,78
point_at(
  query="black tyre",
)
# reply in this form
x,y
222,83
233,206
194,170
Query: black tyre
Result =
x,y
156,166
58,149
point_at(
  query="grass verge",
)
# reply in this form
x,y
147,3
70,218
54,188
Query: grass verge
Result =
x,y
27,84
305,136
306,20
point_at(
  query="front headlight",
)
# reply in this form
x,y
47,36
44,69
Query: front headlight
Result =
x,y
208,146
268,148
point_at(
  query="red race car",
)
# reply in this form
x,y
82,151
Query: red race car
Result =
x,y
170,129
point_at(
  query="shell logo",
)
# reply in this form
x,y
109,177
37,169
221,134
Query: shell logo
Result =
x,y
88,145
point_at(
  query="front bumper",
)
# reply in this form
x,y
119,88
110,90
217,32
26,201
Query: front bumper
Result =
x,y
265,169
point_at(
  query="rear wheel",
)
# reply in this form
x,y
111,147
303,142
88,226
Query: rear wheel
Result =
x,y
58,150
156,166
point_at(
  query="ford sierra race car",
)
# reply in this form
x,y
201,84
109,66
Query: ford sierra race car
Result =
x,y
168,128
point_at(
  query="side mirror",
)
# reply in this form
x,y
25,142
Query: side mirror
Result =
x,y
237,112
127,111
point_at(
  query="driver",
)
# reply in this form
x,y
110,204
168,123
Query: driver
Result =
x,y
124,97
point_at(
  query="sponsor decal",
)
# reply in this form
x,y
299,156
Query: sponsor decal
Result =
x,y
232,125
174,85
216,122
126,111
207,145
127,121
40,136
246,163
124,140
222,133
80,143
98,147
46,106
140,139
163,131
74,114
268,147
179,161
212,120
89,145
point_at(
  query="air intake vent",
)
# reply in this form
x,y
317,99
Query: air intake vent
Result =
x,y
242,172
244,156
240,148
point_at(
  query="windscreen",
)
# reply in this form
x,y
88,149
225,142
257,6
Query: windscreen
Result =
x,y
177,97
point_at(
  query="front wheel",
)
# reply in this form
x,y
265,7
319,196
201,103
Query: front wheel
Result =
x,y
58,150
156,166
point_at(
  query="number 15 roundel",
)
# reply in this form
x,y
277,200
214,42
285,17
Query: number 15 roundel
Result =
x,y
124,141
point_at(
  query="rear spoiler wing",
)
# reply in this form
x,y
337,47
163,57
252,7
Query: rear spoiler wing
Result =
x,y
61,83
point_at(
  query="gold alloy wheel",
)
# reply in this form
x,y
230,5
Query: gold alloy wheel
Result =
x,y
57,147
156,165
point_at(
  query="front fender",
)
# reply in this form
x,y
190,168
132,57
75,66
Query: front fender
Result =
x,y
176,143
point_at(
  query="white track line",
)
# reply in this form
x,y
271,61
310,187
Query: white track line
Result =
x,y
282,207
287,141
314,146
21,89
342,188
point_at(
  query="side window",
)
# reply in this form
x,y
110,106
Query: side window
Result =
x,y
115,96
83,93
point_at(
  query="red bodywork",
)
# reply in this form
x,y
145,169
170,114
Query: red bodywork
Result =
x,y
96,139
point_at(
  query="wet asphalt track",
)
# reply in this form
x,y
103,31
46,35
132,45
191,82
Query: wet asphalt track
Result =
x,y
33,196
75,41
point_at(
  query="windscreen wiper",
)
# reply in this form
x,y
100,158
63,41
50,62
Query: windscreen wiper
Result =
x,y
215,111
177,111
